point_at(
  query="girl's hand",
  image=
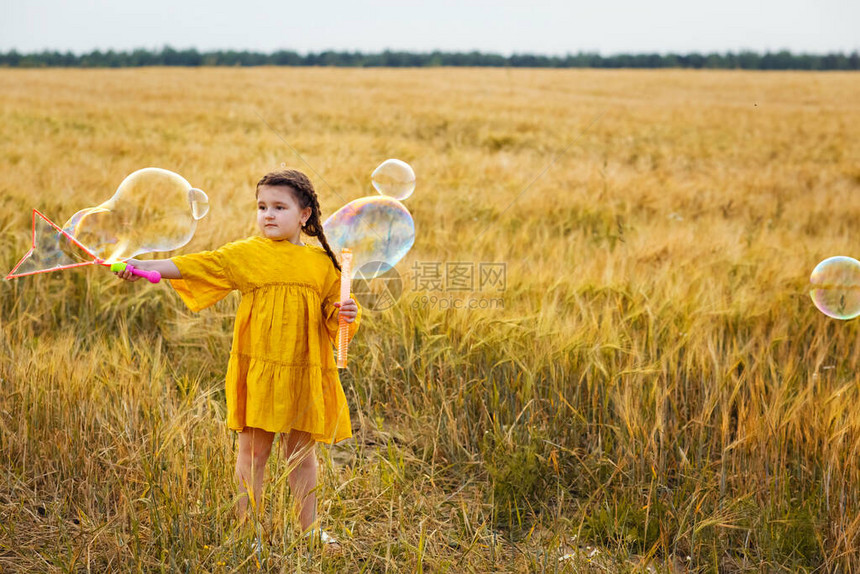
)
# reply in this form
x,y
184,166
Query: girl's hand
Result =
x,y
126,273
348,310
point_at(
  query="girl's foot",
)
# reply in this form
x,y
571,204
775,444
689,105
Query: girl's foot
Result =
x,y
319,536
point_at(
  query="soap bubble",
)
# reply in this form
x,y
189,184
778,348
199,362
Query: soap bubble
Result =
x,y
153,209
378,230
394,178
835,287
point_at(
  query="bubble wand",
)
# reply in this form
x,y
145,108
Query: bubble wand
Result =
x,y
342,325
153,209
22,269
152,276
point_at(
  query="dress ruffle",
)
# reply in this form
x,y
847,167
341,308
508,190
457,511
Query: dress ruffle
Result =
x,y
299,397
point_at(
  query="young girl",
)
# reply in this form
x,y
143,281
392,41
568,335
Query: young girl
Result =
x,y
282,376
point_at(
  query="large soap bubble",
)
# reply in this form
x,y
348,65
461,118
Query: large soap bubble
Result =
x,y
835,287
153,209
378,230
394,178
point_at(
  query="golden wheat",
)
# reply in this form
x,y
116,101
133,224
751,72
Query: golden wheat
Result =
x,y
652,381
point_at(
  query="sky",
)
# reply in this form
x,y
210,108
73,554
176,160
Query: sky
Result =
x,y
537,27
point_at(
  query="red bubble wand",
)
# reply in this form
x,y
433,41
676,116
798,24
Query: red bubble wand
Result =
x,y
49,258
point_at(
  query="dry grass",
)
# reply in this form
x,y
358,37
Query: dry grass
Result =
x,y
657,384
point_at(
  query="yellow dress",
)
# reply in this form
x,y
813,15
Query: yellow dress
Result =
x,y
282,373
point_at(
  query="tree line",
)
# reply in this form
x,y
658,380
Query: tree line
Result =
x,y
167,56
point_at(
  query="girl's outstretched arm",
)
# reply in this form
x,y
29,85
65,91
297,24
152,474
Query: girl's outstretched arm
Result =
x,y
166,267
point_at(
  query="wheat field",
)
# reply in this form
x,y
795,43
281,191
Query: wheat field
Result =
x,y
649,389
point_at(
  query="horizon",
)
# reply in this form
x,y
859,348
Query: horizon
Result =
x,y
304,53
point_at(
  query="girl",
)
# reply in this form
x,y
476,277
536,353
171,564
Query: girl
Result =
x,y
281,377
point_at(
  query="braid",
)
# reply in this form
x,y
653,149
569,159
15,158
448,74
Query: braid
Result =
x,y
304,192
314,228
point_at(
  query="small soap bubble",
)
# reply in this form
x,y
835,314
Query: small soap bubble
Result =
x,y
394,178
835,287
199,203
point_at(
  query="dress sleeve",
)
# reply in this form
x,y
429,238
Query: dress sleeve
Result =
x,y
330,312
206,278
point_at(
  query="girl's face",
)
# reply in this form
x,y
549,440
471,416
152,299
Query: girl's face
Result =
x,y
279,215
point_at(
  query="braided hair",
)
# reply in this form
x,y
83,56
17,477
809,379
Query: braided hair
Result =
x,y
304,193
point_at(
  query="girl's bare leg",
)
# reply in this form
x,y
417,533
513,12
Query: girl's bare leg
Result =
x,y
254,448
299,451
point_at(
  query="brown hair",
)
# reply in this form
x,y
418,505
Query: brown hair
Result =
x,y
304,193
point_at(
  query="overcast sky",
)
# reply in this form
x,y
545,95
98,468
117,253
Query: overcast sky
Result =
x,y
538,26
